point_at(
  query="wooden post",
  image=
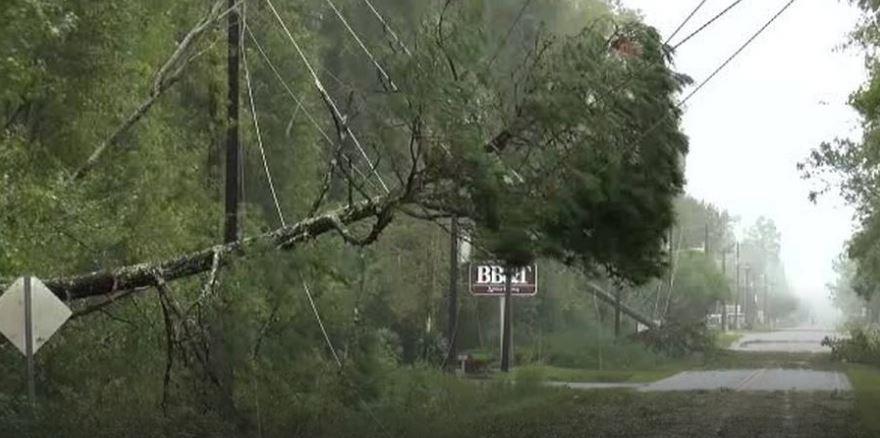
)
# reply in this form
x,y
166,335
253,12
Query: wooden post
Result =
x,y
726,282
617,293
505,321
234,186
452,304
736,293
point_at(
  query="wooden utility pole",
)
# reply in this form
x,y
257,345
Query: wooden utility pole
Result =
x,y
505,321
452,304
706,239
617,293
736,293
748,299
727,283
234,186
766,310
219,362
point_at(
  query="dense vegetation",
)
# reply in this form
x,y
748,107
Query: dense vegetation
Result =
x,y
551,129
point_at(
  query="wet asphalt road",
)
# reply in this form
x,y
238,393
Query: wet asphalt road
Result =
x,y
798,340
761,379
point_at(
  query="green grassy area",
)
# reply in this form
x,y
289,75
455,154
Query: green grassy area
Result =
x,y
865,380
726,339
514,411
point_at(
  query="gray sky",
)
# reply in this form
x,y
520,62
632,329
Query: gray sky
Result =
x,y
749,127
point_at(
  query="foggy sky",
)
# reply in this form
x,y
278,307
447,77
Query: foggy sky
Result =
x,y
762,115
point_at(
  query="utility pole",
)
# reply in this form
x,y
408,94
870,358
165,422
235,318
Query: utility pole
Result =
x,y
618,292
737,292
726,282
748,298
706,240
452,305
505,320
234,186
766,310
219,362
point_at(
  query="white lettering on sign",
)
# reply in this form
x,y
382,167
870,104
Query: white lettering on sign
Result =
x,y
483,274
498,275
490,279
495,275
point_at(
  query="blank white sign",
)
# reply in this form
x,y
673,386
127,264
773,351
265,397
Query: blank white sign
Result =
x,y
49,313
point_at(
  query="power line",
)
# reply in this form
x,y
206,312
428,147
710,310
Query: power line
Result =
x,y
336,112
339,362
250,92
737,52
510,29
387,27
720,68
707,24
321,324
298,101
685,22
361,44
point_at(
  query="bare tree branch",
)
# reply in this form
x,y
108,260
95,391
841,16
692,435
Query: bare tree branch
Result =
x,y
167,75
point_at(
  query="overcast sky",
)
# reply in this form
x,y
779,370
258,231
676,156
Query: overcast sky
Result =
x,y
749,128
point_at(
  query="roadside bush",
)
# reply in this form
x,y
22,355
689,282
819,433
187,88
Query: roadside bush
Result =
x,y
862,346
594,347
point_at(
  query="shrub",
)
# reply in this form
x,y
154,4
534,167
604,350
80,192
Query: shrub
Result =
x,y
862,346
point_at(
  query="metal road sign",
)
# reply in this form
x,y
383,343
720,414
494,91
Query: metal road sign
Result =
x,y
488,279
48,313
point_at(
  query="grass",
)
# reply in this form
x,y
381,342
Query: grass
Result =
x,y
865,380
726,339
563,413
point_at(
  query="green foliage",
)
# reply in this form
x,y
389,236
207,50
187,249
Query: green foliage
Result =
x,y
861,346
698,285
598,133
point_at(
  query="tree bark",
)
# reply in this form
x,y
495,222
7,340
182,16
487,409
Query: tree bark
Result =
x,y
142,275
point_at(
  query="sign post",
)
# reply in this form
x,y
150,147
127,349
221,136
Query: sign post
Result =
x,y
29,315
505,321
505,282
29,340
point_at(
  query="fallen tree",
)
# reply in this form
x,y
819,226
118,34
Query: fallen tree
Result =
x,y
109,282
610,299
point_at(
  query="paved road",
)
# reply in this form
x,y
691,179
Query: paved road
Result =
x,y
761,379
766,402
799,340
